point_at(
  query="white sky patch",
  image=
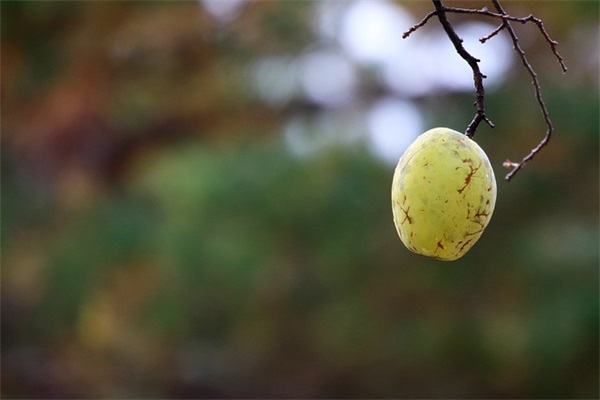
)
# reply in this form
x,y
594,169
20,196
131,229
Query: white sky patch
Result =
x,y
371,29
328,16
224,10
368,33
406,72
393,124
496,57
428,62
328,78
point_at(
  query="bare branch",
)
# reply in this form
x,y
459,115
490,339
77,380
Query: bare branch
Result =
x,y
505,18
538,95
478,76
473,63
494,33
418,25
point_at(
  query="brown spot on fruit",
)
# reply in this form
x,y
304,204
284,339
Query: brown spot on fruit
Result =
x,y
475,233
472,172
406,216
481,214
464,244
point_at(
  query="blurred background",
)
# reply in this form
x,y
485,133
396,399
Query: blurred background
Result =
x,y
196,203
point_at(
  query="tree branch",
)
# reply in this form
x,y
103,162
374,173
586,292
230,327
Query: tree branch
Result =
x,y
473,63
494,33
441,10
538,95
420,24
506,18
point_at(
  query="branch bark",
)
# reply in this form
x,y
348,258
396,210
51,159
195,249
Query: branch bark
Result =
x,y
480,115
516,167
473,62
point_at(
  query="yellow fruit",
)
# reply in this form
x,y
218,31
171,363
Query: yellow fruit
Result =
x,y
443,194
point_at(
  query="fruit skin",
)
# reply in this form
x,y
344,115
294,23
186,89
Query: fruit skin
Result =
x,y
443,194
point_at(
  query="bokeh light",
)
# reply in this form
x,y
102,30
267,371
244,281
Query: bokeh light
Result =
x,y
393,125
328,78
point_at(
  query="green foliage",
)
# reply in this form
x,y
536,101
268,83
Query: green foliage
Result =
x,y
160,238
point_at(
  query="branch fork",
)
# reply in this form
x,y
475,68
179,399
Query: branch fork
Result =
x,y
480,115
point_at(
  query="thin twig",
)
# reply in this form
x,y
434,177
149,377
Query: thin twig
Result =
x,y
494,33
440,12
506,17
538,95
473,63
418,25
499,15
